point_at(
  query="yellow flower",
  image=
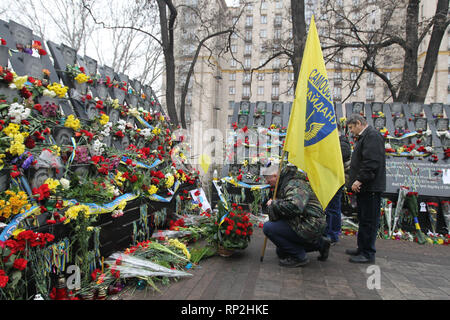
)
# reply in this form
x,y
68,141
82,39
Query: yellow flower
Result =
x,y
104,119
176,243
72,122
72,212
170,181
119,179
153,189
161,118
17,147
59,89
57,150
81,78
11,129
52,184
156,131
19,82
115,103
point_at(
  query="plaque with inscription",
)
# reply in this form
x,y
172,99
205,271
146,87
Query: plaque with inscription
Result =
x,y
358,108
259,121
442,124
399,123
416,109
379,123
377,107
21,34
261,106
277,108
242,120
421,174
245,107
421,124
437,109
276,120
396,109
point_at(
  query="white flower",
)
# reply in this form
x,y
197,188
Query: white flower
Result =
x,y
48,93
106,129
133,111
18,112
64,183
429,149
97,148
146,132
121,125
387,145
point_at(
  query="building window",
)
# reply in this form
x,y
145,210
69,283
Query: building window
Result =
x,y
337,93
353,76
248,49
278,19
233,63
247,63
369,94
233,48
278,4
246,77
263,19
276,63
246,91
232,76
275,91
263,33
260,90
291,76
263,4
260,76
276,77
248,35
355,61
277,34
232,90
249,21
290,91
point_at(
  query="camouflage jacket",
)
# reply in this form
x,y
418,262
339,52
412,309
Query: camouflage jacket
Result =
x,y
298,205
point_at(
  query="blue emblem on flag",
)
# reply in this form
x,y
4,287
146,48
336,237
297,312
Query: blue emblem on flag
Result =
x,y
320,117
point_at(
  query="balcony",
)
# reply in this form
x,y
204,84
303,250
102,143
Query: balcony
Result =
x,y
245,96
275,97
275,80
247,53
370,98
371,82
277,23
246,81
249,26
337,81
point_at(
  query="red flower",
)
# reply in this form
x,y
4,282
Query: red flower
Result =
x,y
25,93
30,143
3,281
43,192
239,177
15,174
20,264
119,134
3,41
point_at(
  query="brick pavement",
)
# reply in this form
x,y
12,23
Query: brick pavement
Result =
x,y
409,271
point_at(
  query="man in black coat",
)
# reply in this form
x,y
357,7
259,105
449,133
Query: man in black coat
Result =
x,y
368,181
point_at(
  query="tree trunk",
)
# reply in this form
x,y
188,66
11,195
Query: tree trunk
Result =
x,y
409,76
299,35
168,48
433,50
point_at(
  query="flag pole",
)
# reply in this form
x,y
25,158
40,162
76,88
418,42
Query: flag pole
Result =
x,y
274,198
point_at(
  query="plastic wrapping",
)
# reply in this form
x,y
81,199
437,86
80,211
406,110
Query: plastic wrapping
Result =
x,y
48,160
131,267
170,233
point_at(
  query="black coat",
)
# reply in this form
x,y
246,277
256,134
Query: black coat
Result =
x,y
368,163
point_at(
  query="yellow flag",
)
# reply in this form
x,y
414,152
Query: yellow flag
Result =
x,y
205,162
312,139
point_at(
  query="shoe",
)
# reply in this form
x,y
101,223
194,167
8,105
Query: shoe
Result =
x,y
325,249
291,262
352,252
361,259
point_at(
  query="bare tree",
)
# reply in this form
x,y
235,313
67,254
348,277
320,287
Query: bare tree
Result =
x,y
398,31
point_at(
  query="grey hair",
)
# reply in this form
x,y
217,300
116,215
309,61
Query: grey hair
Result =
x,y
354,118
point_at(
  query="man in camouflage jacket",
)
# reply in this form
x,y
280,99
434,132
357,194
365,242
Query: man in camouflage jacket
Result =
x,y
297,221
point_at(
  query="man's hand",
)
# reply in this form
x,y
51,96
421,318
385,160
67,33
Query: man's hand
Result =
x,y
269,202
356,186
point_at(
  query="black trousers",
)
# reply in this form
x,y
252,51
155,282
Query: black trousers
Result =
x,y
369,212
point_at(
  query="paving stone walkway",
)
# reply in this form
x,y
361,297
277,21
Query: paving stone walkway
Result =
x,y
408,271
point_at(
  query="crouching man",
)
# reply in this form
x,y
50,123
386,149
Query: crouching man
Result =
x,y
297,221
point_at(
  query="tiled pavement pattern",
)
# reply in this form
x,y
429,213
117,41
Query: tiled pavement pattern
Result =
x,y
409,271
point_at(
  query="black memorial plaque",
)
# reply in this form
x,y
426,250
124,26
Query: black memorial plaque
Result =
x,y
424,176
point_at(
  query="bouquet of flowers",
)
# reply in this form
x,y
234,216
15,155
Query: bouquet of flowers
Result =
x,y
230,228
